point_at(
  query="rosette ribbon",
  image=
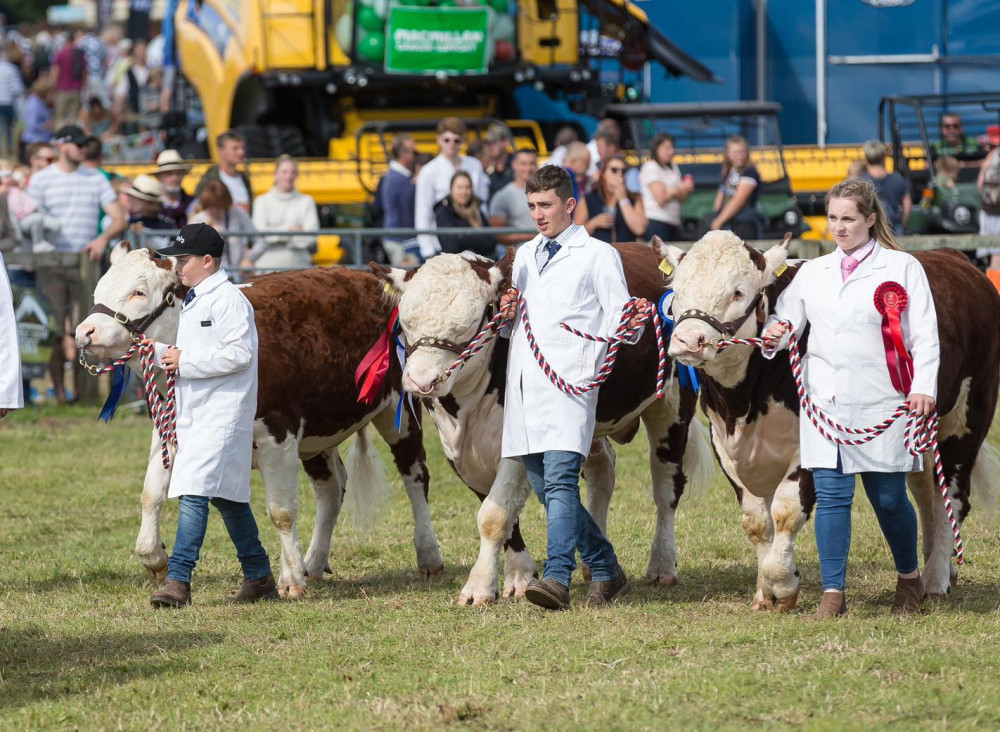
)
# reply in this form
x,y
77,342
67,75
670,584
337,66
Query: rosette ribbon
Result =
x,y
375,365
891,300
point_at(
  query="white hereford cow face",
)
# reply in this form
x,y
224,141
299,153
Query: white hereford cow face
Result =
x,y
134,286
719,276
443,300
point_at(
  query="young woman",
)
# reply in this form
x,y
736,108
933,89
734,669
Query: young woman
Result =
x,y
736,201
459,210
848,376
663,189
284,208
609,212
216,208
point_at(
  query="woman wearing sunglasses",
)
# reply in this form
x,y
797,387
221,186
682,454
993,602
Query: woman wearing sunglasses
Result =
x,y
609,212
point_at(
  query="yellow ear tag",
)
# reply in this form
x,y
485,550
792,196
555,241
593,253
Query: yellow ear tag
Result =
x,y
780,270
666,268
389,289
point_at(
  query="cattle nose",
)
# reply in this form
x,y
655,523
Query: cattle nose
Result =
x,y
420,383
85,334
687,342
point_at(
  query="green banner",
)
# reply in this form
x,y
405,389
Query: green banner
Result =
x,y
429,40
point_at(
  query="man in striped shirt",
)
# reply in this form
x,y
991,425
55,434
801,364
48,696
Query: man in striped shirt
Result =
x,y
74,195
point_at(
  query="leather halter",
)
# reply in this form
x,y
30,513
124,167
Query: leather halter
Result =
x,y
449,345
138,326
730,327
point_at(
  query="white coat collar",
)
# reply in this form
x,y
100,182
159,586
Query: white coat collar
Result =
x,y
207,285
577,239
873,262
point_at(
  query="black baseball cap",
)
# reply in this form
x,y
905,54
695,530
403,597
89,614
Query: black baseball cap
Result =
x,y
196,240
70,133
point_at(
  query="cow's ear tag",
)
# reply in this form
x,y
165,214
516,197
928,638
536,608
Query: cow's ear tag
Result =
x,y
780,270
666,268
389,289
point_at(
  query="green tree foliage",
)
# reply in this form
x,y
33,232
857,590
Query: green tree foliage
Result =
x,y
25,11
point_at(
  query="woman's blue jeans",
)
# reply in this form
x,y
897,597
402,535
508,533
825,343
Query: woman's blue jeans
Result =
x,y
555,478
192,523
896,517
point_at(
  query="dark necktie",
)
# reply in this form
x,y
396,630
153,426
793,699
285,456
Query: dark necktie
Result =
x,y
552,246
189,297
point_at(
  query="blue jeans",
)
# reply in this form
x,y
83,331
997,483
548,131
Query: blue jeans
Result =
x,y
887,494
555,478
191,525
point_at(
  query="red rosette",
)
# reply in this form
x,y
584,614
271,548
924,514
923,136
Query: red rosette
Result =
x,y
891,296
891,300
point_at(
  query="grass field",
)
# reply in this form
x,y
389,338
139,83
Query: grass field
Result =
x,y
376,647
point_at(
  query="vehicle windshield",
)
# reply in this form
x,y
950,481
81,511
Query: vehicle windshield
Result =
x,y
700,142
929,128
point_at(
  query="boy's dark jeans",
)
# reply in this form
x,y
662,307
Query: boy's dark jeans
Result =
x,y
191,525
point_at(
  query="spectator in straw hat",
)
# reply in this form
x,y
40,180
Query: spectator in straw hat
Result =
x,y
145,210
170,171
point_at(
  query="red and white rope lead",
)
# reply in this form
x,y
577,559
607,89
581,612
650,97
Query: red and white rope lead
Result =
x,y
920,436
622,334
162,408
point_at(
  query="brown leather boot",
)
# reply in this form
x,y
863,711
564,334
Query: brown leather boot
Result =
x,y
255,590
547,593
909,593
833,605
605,593
174,593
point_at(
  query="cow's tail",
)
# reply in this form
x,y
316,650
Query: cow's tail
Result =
x,y
699,462
985,486
367,487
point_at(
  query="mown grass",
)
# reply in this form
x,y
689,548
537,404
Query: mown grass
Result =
x,y
376,647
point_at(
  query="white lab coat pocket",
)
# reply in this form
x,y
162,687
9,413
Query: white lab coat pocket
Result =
x,y
869,385
568,355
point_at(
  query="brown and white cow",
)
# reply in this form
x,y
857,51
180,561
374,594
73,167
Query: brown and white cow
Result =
x,y
753,408
447,299
314,327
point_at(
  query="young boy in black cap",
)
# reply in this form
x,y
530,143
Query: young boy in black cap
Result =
x,y
216,364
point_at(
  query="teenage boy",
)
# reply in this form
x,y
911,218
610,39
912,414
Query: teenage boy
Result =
x,y
564,275
215,360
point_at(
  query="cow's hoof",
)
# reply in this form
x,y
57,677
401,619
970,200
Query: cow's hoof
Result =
x,y
935,597
428,574
515,588
660,580
763,603
292,592
787,604
469,598
159,575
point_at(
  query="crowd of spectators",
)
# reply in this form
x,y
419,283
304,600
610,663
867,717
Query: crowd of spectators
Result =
x,y
62,200
112,86
484,188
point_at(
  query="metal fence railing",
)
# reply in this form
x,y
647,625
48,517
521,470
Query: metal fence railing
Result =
x,y
351,240
27,264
